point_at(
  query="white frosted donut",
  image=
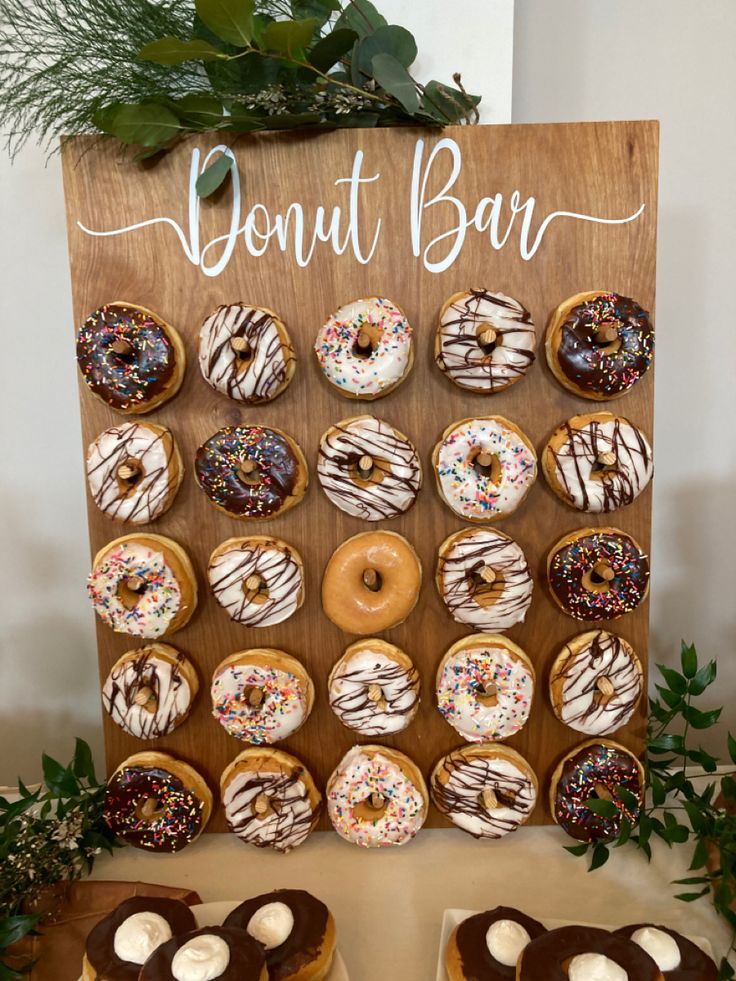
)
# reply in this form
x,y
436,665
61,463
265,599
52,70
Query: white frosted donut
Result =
x,y
484,468
382,365
134,471
484,579
376,797
596,683
374,688
470,356
258,581
261,696
485,686
159,672
245,353
389,485
598,462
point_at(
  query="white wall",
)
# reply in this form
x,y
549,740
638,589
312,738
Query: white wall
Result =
x,y
573,59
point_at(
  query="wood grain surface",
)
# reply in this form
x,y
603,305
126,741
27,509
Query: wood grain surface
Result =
x,y
601,169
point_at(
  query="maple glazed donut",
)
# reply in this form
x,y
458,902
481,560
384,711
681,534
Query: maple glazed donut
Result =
x,y
134,471
485,686
484,467
262,695
252,472
270,799
485,341
374,688
596,683
483,579
599,344
371,582
156,802
130,358
376,797
149,691
369,469
143,585
678,958
598,574
365,348
258,581
245,353
213,953
597,462
487,945
584,953
486,790
596,770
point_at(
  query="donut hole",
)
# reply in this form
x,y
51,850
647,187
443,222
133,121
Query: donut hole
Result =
x,y
249,472
486,464
599,578
604,464
243,352
130,591
366,341
255,589
372,580
150,809
486,692
604,692
366,470
253,696
128,475
145,696
123,350
371,809
605,336
264,806
374,694
488,339
486,584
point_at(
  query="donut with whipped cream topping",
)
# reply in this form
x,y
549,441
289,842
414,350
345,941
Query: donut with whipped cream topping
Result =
x,y
678,958
485,341
134,472
487,945
484,467
483,579
376,797
365,349
369,469
584,953
374,688
258,581
213,953
245,353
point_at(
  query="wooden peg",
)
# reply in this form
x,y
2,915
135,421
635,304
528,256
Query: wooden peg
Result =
x,y
487,574
127,472
375,693
606,334
253,583
135,584
607,459
487,336
121,347
605,687
372,580
248,471
240,346
489,798
365,465
484,459
255,697
604,571
149,807
143,696
364,341
377,801
262,806
602,792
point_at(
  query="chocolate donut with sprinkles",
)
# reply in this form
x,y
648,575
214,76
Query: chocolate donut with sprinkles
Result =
x,y
156,802
598,574
130,358
252,472
599,344
596,770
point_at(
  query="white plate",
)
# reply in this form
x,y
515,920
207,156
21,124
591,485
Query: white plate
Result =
x,y
451,918
212,914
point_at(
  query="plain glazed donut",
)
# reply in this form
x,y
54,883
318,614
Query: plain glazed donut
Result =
x,y
371,582
487,945
598,574
485,468
258,581
143,585
156,802
134,472
597,462
595,770
485,686
376,797
580,953
485,341
599,344
130,358
245,353
365,348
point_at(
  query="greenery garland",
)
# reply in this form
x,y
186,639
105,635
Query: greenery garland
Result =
x,y
149,72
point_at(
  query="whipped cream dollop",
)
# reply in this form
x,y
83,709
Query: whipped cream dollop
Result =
x,y
201,959
271,924
595,967
660,946
139,935
505,940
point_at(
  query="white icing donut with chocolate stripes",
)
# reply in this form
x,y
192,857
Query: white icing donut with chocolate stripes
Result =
x,y
374,688
258,581
245,353
485,341
369,469
484,579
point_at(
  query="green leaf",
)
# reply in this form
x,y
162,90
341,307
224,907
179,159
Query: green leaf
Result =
x,y
242,120
678,834
446,104
658,794
291,120
693,880
728,788
670,698
732,748
332,48
83,764
211,178
389,39
725,971
624,833
230,20
360,16
396,80
700,720
689,660
697,819
666,743
576,849
203,111
708,762
604,808
600,856
629,800
173,51
674,679
289,37
689,897
14,928
703,679
144,124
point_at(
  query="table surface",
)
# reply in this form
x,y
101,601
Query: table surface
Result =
x,y
388,904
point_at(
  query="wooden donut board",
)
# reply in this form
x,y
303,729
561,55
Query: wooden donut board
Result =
x,y
607,170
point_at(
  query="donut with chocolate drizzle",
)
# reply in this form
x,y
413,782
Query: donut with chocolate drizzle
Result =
x,y
374,688
258,581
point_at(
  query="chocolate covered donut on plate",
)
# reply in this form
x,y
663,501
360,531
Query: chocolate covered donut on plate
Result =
x,y
210,954
486,946
678,958
584,953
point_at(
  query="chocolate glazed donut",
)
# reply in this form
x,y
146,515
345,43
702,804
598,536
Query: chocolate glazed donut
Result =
x,y
469,939
543,958
309,934
695,965
100,946
246,958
